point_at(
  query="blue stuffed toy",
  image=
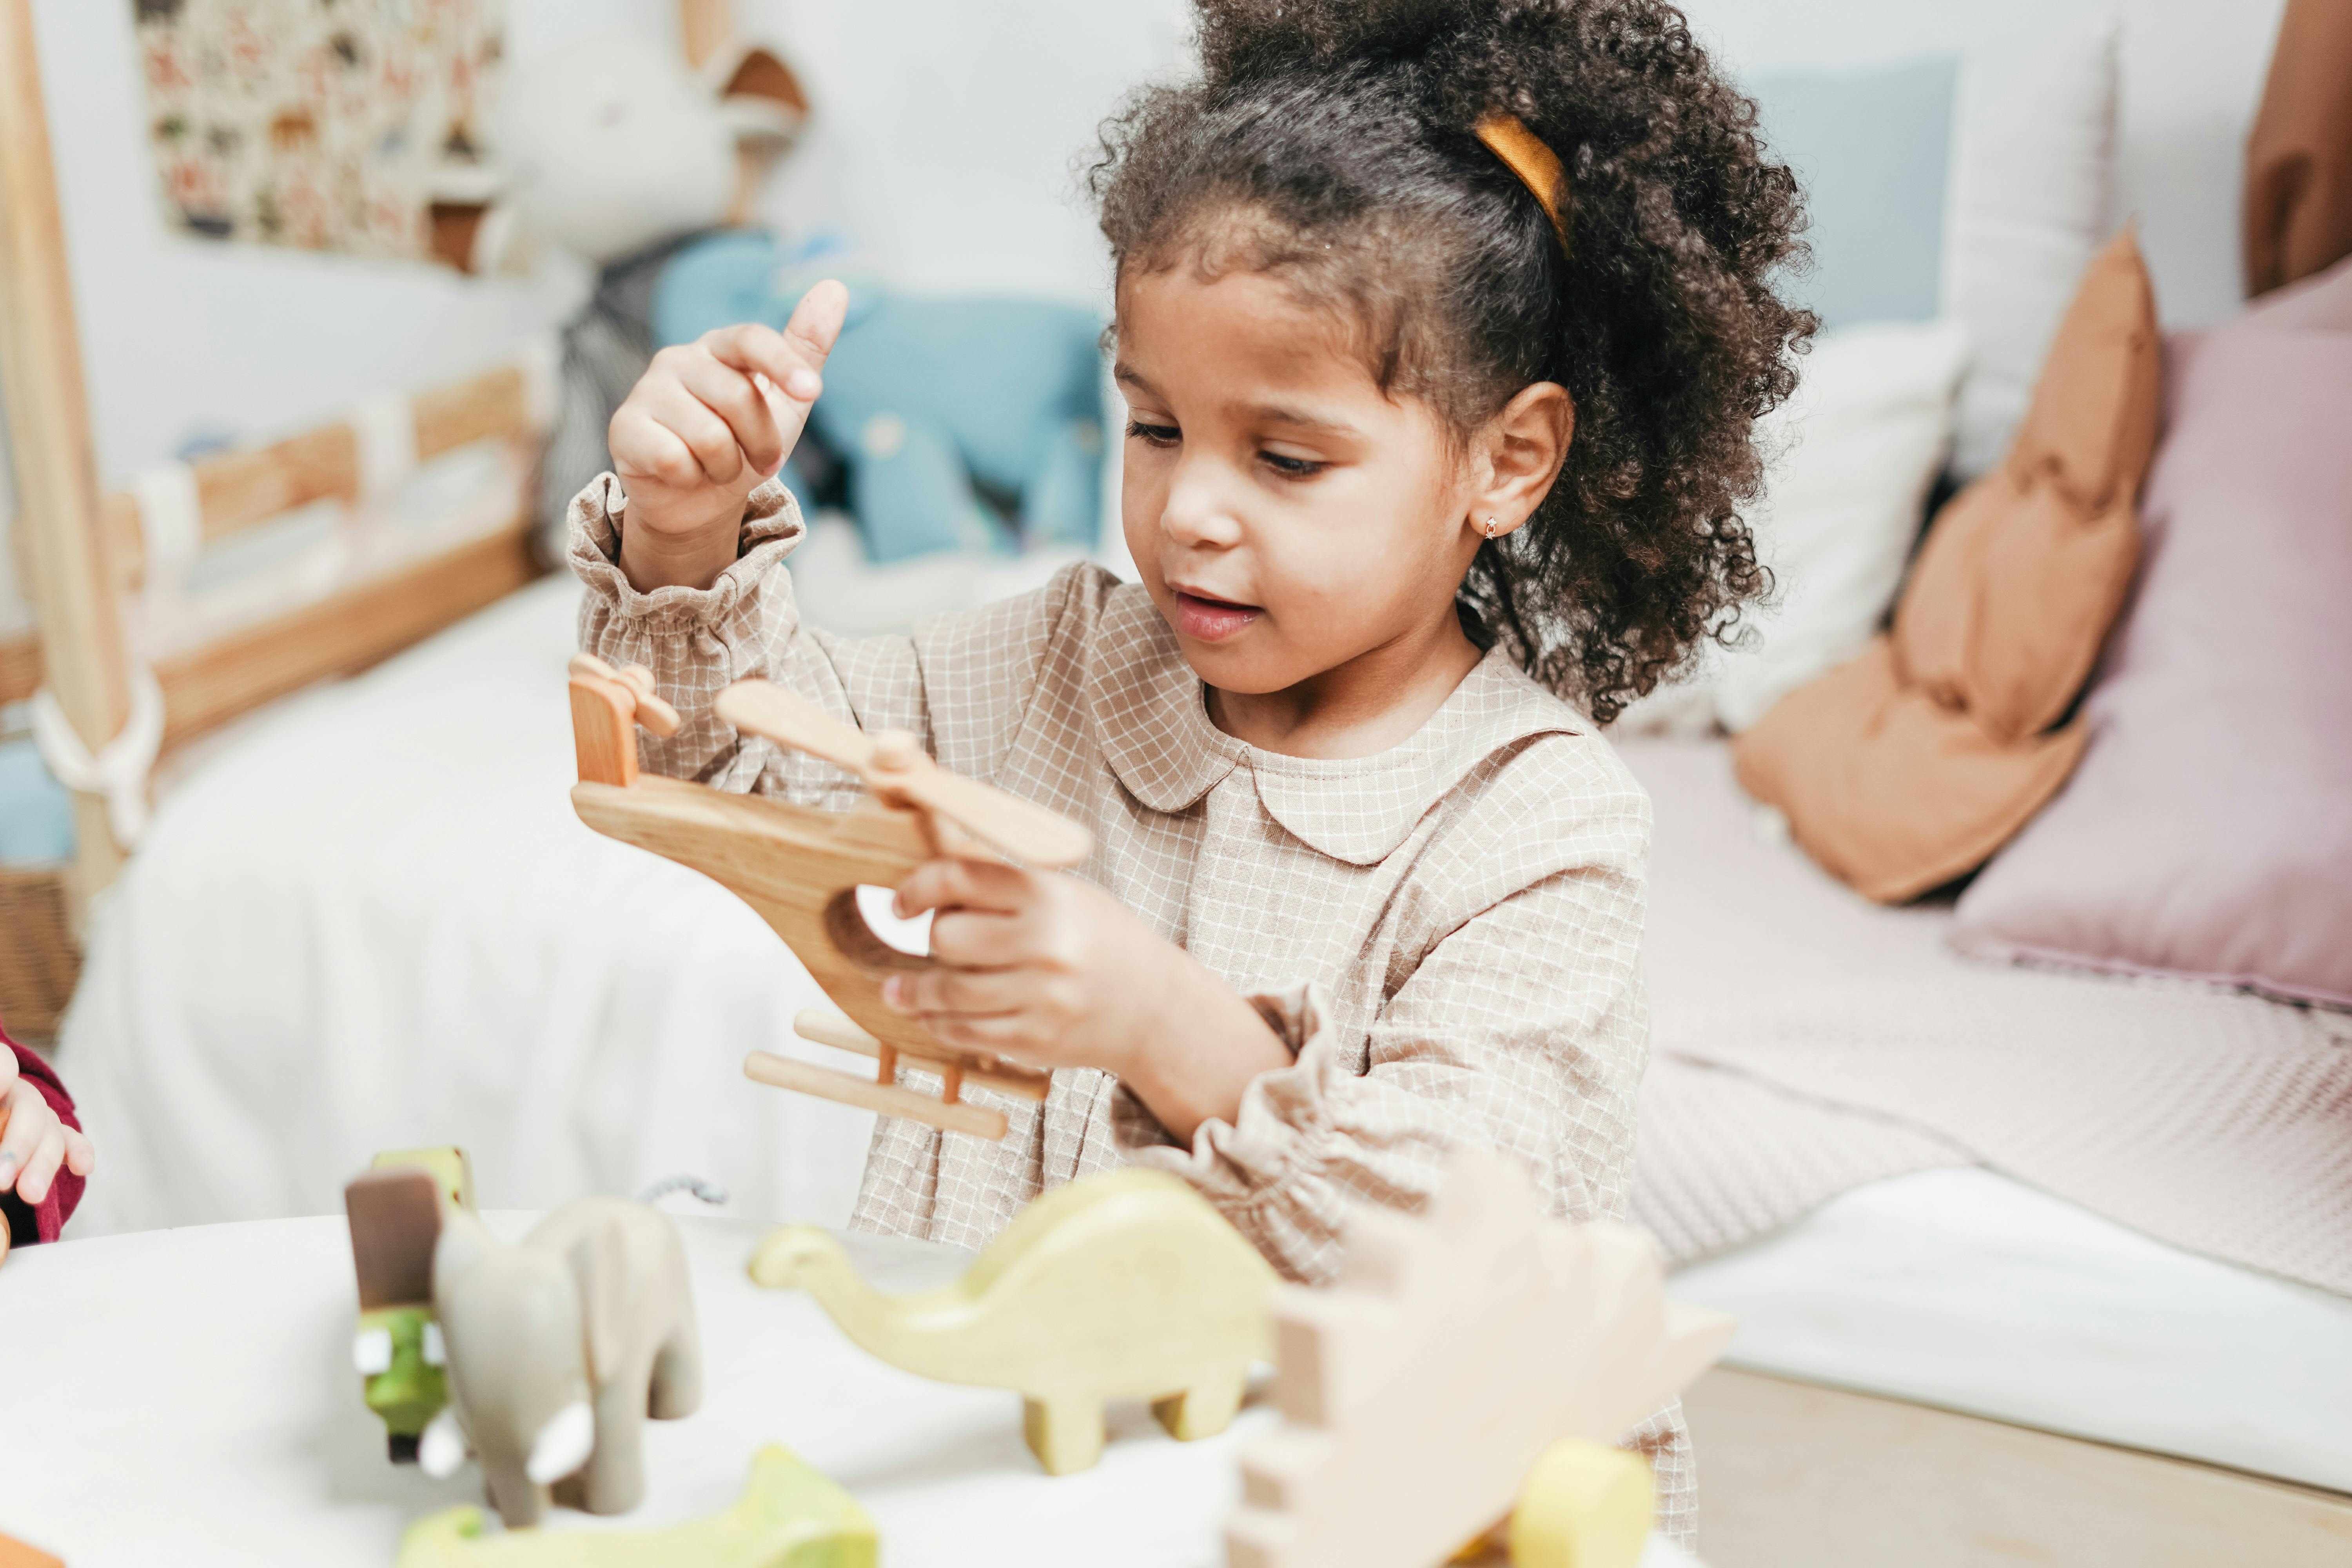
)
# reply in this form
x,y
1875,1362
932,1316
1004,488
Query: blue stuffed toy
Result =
x,y
935,407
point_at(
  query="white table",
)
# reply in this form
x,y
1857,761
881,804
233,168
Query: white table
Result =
x,y
191,1401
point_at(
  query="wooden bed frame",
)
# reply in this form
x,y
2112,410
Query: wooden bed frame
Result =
x,y
83,552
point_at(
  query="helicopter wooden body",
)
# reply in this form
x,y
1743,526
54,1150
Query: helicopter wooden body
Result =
x,y
800,870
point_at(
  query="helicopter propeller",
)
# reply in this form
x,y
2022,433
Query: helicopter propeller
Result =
x,y
896,769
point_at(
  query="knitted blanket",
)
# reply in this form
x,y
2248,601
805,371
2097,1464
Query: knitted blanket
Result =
x,y
1806,1042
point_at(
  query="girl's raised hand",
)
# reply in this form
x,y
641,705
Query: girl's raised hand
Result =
x,y
700,431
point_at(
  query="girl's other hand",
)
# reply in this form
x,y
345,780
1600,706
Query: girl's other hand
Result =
x,y
34,1142
705,424
1055,972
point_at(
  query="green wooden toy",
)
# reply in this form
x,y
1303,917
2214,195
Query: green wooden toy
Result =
x,y
790,1516
398,1353
396,1213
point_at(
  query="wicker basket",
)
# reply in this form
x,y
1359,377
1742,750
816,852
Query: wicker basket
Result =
x,y
40,958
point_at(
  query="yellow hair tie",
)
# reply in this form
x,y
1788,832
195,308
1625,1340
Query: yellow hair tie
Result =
x,y
1524,154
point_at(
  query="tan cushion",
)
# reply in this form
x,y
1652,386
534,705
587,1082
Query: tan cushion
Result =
x,y
1910,766
1887,788
2298,203
2024,570
2092,424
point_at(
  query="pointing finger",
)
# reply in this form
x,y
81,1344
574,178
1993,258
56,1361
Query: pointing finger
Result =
x,y
816,324
791,358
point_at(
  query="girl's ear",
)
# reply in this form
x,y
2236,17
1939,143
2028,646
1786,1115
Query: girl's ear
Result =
x,y
1525,446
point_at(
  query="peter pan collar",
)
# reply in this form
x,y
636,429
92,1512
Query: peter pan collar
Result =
x,y
1155,732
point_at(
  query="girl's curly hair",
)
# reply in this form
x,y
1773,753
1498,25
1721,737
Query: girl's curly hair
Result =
x,y
1331,142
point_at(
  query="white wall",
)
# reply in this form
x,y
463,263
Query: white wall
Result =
x,y
2192,74
949,134
947,139
182,337
950,129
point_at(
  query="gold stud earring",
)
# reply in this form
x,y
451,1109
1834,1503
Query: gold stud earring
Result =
x,y
1492,528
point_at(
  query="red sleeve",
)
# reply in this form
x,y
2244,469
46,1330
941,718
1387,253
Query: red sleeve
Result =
x,y
41,1221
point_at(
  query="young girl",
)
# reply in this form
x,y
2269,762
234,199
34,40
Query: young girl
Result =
x,y
1442,327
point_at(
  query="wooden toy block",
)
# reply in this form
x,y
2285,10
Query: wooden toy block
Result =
x,y
886,1098
1457,1347
607,705
395,1211
395,1218
1123,1285
448,1165
801,868
603,743
833,1029
790,1516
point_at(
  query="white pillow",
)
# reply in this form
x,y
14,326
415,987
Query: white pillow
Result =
x,y
1850,457
2030,200
1863,439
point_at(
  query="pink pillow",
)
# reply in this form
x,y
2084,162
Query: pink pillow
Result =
x,y
2208,831
2320,302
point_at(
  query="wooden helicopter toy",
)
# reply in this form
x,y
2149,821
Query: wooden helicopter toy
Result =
x,y
800,870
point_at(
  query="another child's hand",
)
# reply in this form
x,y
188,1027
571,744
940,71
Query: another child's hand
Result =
x,y
699,433
1054,970
35,1142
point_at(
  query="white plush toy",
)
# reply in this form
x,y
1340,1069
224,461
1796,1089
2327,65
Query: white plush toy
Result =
x,y
610,146
613,150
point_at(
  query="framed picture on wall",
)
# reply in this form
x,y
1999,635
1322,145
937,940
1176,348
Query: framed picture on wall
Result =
x,y
317,124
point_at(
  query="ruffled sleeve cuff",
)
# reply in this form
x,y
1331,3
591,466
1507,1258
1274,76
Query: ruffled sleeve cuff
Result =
x,y
773,528
1282,1134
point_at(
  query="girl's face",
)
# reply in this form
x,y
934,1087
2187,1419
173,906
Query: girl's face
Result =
x,y
1287,516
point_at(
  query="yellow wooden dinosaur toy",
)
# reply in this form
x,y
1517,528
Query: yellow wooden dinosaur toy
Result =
x,y
1122,1286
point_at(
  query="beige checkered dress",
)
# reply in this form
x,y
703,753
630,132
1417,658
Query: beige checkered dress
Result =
x,y
1448,934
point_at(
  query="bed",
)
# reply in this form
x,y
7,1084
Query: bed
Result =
x,y
1947,1348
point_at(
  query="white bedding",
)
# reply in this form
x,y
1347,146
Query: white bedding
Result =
x,y
366,918
1965,1290
371,921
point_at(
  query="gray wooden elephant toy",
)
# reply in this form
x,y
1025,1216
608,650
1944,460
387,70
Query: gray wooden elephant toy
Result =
x,y
558,1350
